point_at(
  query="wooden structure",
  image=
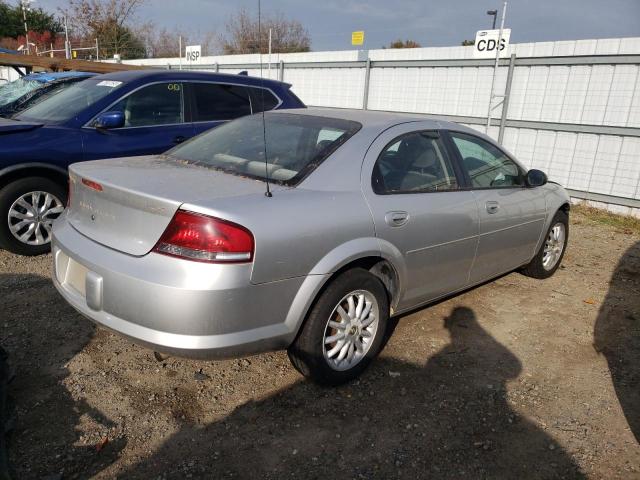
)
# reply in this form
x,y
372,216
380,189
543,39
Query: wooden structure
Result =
x,y
29,62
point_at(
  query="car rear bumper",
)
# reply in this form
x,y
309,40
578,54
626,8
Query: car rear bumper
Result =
x,y
170,305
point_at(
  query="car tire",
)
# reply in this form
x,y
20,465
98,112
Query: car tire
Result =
x,y
348,320
549,257
50,204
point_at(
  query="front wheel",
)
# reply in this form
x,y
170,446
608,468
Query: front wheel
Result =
x,y
550,255
344,330
28,208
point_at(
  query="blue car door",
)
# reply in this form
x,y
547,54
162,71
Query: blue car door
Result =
x,y
215,103
154,121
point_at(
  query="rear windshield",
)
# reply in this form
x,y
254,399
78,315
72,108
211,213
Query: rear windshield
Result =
x,y
69,102
295,145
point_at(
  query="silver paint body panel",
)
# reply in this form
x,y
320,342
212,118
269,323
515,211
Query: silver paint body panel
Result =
x,y
104,266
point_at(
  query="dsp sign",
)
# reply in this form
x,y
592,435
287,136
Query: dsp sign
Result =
x,y
487,43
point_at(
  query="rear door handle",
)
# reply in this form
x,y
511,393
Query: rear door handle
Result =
x,y
396,219
492,207
179,139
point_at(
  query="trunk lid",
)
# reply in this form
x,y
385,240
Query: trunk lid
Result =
x,y
13,126
127,203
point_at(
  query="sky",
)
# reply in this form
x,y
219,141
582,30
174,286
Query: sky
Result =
x,y
431,23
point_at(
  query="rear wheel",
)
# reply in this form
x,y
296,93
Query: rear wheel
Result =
x,y
28,208
344,330
550,255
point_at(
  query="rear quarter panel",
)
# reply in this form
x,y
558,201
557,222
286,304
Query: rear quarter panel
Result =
x,y
296,229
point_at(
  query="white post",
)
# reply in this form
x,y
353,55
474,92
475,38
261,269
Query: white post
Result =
x,y
97,51
26,30
67,47
269,69
495,68
180,47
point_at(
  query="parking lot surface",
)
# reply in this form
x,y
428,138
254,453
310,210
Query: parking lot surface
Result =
x,y
518,378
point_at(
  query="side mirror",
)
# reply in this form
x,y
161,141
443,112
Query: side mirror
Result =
x,y
108,120
536,178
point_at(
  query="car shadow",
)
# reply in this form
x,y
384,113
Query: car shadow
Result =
x,y
448,418
617,334
41,333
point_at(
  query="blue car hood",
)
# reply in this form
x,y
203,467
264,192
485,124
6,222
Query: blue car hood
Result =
x,y
12,126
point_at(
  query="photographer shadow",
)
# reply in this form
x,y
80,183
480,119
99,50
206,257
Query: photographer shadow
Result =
x,y
449,419
617,335
46,413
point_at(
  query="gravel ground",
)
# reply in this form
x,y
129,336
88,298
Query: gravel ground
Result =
x,y
518,378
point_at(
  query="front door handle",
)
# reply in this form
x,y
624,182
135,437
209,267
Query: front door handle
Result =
x,y
492,207
179,139
396,219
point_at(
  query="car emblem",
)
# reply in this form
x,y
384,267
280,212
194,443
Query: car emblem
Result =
x,y
93,217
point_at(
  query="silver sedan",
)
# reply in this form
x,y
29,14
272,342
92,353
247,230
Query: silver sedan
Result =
x,y
305,230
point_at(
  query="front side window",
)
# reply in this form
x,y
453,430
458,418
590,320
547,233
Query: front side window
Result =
x,y
413,163
218,101
158,104
295,145
486,165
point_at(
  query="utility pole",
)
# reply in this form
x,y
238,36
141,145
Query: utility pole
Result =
x,y
180,50
495,68
67,47
25,6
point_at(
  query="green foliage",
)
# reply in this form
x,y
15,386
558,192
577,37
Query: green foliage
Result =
x,y
404,44
12,25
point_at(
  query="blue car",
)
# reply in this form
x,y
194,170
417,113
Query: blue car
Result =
x,y
138,112
26,91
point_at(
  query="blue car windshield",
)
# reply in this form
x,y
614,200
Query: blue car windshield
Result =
x,y
69,102
13,91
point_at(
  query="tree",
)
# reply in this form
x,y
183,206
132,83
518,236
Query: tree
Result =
x,y
405,44
111,22
42,27
245,34
468,43
12,24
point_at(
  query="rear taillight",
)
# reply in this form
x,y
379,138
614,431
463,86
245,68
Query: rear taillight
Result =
x,y
205,239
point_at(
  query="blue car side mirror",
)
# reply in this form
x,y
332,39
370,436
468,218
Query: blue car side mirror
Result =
x,y
107,120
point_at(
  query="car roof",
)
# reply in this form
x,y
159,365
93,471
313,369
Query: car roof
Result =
x,y
373,118
186,75
45,77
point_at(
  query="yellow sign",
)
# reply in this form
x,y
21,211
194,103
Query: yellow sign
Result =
x,y
74,54
357,38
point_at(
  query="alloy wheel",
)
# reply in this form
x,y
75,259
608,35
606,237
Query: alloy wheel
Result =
x,y
31,217
554,246
350,330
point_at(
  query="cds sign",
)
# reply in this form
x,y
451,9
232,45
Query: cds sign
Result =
x,y
487,43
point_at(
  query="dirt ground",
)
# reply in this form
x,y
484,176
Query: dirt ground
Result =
x,y
518,378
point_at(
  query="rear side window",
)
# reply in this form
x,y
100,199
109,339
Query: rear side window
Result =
x,y
416,162
262,99
486,165
216,101
158,104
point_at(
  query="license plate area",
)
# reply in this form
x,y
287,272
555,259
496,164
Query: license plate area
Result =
x,y
71,274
